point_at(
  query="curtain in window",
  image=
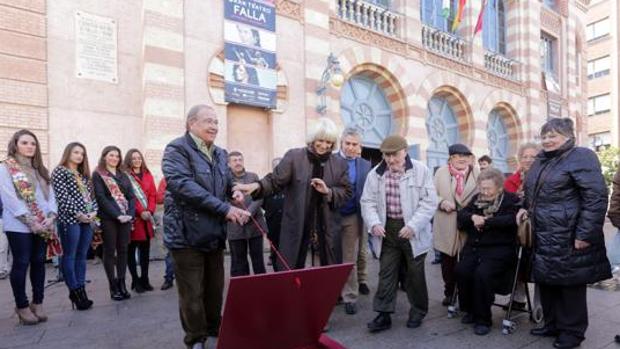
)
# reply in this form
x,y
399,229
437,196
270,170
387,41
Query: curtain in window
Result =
x,y
494,27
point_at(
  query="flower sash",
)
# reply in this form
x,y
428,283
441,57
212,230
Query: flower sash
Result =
x,y
88,201
115,190
26,192
137,190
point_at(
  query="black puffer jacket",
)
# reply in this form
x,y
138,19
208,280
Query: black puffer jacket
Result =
x,y
570,204
197,190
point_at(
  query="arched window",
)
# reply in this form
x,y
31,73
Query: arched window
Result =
x,y
442,129
363,105
497,136
494,27
439,14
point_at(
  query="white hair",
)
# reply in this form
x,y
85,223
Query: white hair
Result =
x,y
322,129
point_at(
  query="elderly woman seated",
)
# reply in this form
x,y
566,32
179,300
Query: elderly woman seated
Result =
x,y
490,251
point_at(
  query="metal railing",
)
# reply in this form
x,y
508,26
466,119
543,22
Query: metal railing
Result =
x,y
369,14
444,43
498,64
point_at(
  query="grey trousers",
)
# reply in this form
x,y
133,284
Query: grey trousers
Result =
x,y
394,251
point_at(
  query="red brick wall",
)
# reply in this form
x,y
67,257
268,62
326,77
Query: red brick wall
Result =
x,y
23,70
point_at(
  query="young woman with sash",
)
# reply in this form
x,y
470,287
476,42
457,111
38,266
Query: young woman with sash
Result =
x,y
144,189
116,211
77,211
29,222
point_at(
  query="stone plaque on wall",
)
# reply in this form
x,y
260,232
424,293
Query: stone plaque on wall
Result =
x,y
96,47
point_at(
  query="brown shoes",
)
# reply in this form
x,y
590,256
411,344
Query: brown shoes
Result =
x,y
37,310
26,317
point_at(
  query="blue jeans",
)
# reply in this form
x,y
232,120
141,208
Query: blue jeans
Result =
x,y
75,239
28,251
169,276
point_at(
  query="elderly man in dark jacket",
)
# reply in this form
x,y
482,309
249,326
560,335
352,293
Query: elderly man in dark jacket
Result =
x,y
195,212
566,198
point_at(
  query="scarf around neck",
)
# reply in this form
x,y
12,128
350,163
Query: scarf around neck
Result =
x,y
460,178
489,208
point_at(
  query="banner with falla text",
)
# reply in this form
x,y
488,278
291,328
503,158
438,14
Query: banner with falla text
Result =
x,y
250,52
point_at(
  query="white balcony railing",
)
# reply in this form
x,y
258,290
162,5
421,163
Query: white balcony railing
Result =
x,y
500,65
444,43
368,15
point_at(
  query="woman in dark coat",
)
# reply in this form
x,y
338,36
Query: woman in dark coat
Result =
x,y
117,207
315,185
566,199
490,251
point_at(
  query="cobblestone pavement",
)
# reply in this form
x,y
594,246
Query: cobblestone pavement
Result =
x,y
151,320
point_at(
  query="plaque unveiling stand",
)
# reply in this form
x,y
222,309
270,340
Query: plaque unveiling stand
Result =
x,y
282,310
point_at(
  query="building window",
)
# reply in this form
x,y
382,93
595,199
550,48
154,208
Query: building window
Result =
x,y
548,55
494,27
552,4
599,104
439,14
600,141
597,29
599,67
381,3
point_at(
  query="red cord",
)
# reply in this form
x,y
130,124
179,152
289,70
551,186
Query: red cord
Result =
x,y
280,257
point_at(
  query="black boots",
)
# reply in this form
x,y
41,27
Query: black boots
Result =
x,y
115,293
82,292
122,288
79,300
118,290
141,285
136,285
146,285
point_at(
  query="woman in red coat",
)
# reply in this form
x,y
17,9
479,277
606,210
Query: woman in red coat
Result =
x,y
526,156
514,184
143,185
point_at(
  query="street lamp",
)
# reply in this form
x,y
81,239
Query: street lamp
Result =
x,y
332,74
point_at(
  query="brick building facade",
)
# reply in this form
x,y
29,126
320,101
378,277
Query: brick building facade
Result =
x,y
406,72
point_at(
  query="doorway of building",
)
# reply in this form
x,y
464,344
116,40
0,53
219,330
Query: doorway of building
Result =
x,y
373,155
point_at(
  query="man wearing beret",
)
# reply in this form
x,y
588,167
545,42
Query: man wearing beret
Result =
x,y
398,203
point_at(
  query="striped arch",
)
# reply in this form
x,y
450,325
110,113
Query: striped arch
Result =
x,y
450,87
387,71
459,97
510,108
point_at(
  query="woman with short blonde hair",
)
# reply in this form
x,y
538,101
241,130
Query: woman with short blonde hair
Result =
x,y
323,129
315,184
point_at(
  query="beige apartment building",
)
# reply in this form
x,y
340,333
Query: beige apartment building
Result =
x,y
602,41
125,72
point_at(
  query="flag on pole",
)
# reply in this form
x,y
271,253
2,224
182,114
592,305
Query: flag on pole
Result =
x,y
480,18
459,15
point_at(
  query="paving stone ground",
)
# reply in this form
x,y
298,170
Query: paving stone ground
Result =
x,y
151,320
